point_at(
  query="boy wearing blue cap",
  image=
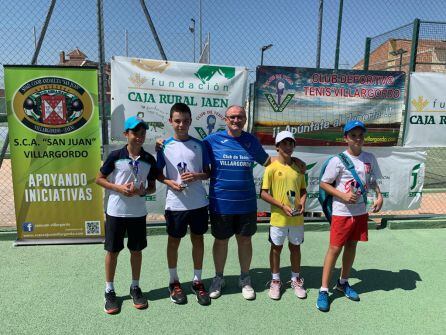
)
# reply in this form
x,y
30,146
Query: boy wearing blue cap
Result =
x,y
349,221
129,174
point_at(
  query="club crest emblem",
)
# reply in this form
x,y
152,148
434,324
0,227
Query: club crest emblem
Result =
x,y
52,105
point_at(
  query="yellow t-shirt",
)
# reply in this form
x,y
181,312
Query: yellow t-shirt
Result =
x,y
278,179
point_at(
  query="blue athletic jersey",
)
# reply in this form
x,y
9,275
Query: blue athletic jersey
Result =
x,y
232,189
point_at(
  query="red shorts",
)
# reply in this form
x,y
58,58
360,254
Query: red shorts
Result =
x,y
348,228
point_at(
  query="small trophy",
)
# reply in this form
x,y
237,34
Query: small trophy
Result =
x,y
182,168
292,199
135,169
371,198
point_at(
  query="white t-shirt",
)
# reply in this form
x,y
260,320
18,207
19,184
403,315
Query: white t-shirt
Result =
x,y
368,171
193,155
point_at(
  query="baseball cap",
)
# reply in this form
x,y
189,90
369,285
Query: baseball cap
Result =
x,y
353,124
283,135
132,122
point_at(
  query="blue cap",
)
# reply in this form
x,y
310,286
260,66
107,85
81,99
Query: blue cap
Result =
x,y
354,124
132,122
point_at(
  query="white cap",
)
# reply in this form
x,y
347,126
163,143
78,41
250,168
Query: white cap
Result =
x,y
283,135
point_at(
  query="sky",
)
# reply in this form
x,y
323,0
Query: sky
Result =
x,y
237,28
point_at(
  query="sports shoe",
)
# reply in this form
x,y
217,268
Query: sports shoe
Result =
x,y
216,287
347,290
201,293
275,289
298,287
176,293
247,290
323,303
111,305
139,301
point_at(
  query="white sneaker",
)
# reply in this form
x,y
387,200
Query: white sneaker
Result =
x,y
298,287
217,285
247,290
275,289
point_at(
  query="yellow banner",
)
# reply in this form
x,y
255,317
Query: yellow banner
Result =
x,y
53,122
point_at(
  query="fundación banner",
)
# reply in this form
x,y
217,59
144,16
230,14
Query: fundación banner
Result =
x,y
426,116
148,88
314,104
53,122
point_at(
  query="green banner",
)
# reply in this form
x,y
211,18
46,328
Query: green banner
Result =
x,y
54,137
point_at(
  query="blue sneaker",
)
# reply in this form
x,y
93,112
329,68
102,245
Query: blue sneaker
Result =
x,y
323,303
347,290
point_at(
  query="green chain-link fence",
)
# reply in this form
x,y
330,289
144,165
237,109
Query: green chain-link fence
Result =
x,y
237,30
418,46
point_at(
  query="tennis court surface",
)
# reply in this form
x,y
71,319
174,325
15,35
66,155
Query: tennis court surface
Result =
x,y
399,275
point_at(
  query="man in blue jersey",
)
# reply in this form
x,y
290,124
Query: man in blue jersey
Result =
x,y
232,196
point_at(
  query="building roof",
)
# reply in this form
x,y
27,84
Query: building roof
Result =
x,y
76,54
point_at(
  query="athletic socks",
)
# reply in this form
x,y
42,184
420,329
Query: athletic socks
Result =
x,y
276,276
243,275
294,275
109,286
197,274
135,283
173,275
342,281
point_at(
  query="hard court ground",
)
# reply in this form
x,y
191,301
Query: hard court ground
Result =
x,y
59,290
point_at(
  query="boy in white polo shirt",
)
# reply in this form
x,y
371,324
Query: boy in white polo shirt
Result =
x,y
284,188
128,173
349,221
186,164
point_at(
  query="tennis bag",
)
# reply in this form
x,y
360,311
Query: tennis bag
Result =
x,y
325,199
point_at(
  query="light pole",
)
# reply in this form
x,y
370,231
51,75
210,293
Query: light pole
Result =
x,y
399,52
263,49
192,30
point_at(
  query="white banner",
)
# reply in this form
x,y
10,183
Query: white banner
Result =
x,y
402,183
426,119
148,88
402,170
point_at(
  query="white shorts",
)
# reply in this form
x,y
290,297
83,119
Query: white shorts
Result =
x,y
295,235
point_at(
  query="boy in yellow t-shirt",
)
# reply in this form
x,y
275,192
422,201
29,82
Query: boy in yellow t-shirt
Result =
x,y
284,188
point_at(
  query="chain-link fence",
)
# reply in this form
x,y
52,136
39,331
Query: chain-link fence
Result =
x,y
431,57
237,31
418,46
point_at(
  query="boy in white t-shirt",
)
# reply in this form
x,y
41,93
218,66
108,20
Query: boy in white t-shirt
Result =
x,y
349,220
186,164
